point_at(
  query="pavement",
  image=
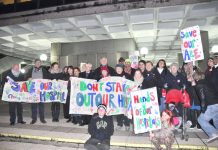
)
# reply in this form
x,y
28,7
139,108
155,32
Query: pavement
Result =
x,y
64,135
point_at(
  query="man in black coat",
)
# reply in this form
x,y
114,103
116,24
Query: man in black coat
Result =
x,y
101,128
37,72
87,74
103,66
14,75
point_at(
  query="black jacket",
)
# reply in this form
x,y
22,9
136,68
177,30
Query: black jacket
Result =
x,y
175,82
101,128
16,79
206,93
125,75
83,75
149,80
57,76
97,72
160,77
45,74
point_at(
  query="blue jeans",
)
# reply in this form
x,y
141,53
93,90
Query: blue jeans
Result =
x,y
210,114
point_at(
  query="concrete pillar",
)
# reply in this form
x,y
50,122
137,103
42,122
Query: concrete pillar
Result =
x,y
55,52
205,43
180,59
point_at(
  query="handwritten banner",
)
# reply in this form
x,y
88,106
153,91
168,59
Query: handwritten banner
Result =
x,y
35,91
87,94
146,115
192,49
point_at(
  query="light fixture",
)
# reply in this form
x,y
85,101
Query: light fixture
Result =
x,y
214,49
22,70
43,57
144,50
136,53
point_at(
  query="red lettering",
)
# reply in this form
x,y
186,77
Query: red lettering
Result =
x,y
136,99
95,87
105,99
137,112
197,55
194,33
152,96
185,44
118,87
46,86
23,87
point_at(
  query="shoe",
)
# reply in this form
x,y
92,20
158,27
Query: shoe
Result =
x,y
12,124
192,127
81,124
43,121
53,120
22,122
212,139
118,127
127,128
68,120
57,120
33,122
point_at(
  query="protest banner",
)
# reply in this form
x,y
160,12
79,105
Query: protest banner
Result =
x,y
146,115
35,91
87,94
191,47
134,61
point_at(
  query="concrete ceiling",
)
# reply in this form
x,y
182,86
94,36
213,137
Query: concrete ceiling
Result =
x,y
154,28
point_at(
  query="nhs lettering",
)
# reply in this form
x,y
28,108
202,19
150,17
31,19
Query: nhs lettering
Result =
x,y
191,44
87,94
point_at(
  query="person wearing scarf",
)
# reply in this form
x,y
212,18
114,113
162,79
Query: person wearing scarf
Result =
x,y
14,75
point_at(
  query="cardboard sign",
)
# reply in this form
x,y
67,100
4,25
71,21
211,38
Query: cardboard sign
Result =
x,y
146,115
87,94
134,61
35,91
192,49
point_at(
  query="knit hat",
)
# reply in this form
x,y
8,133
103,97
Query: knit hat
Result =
x,y
119,65
127,61
102,106
104,68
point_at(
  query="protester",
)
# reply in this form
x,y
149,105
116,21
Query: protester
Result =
x,y
194,111
142,64
14,75
149,76
165,135
76,118
210,65
122,120
103,66
67,104
55,74
128,69
209,106
101,128
161,72
121,60
139,79
37,72
87,74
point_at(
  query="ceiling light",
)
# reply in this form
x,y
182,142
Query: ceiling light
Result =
x,y
22,70
43,57
144,50
214,49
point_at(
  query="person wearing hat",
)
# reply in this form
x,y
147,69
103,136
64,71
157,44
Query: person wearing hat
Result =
x,y
128,69
101,128
103,66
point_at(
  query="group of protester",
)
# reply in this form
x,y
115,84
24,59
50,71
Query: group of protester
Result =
x,y
202,88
